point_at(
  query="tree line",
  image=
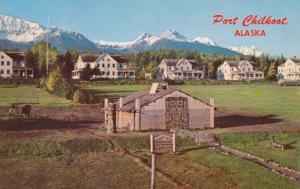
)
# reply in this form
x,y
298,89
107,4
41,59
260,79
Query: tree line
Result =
x,y
147,61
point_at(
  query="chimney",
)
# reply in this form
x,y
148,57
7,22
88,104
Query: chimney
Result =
x,y
153,88
120,102
212,101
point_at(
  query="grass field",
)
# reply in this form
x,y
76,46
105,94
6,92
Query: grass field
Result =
x,y
87,163
206,168
260,145
29,94
283,102
68,164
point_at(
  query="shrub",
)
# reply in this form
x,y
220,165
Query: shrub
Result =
x,y
83,97
60,86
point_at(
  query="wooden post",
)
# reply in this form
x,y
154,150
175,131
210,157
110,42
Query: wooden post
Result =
x,y
212,113
151,144
137,114
105,112
174,142
152,186
111,119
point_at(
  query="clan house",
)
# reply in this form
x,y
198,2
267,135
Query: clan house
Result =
x,y
160,108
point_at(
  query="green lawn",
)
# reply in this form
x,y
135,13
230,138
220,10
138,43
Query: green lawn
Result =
x,y
30,94
206,168
266,99
260,145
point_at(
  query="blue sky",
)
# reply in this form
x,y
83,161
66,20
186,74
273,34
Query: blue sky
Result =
x,y
124,20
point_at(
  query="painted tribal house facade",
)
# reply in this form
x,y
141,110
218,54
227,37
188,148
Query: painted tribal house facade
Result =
x,y
159,109
110,66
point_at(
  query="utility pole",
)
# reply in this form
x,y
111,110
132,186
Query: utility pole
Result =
x,y
47,50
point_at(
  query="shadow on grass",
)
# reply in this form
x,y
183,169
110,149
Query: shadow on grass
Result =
x,y
40,124
243,120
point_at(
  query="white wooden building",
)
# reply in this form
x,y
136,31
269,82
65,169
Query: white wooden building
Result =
x,y
180,69
290,70
239,70
110,66
13,65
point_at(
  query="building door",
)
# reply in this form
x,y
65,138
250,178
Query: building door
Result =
x,y
177,113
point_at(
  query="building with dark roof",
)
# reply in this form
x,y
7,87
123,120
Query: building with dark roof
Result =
x,y
110,66
159,108
13,65
180,69
239,70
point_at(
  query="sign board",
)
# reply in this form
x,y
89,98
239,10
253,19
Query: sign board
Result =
x,y
163,142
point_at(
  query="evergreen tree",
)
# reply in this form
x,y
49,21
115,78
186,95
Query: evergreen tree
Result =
x,y
86,73
272,72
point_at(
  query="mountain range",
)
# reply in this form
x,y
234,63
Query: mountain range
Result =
x,y
22,34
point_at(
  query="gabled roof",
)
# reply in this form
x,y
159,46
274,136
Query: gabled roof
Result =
x,y
237,63
146,98
232,63
119,58
170,62
297,61
173,62
89,57
16,56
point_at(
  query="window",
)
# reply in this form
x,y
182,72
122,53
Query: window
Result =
x,y
108,59
108,65
1,72
8,72
113,73
2,57
8,63
2,63
114,65
103,65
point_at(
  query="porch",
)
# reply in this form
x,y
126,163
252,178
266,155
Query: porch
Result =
x,y
23,73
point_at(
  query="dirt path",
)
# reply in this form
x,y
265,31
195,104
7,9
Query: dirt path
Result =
x,y
275,167
209,140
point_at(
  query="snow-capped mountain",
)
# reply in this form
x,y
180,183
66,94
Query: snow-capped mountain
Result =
x,y
18,30
64,40
173,35
22,34
205,40
169,39
247,50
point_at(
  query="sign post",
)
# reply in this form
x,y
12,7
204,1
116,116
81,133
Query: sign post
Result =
x,y
160,143
152,171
